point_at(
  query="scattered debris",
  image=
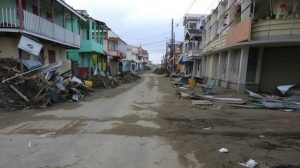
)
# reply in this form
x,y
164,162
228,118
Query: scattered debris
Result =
x,y
223,150
29,144
41,85
254,95
161,71
201,102
184,95
246,106
275,102
250,164
285,88
47,135
206,129
220,99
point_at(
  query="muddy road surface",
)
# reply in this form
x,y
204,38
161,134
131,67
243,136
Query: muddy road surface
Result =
x,y
144,125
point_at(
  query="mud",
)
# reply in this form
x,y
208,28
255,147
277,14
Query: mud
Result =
x,y
270,137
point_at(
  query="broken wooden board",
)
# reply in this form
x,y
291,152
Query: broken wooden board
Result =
x,y
201,102
19,93
245,106
220,99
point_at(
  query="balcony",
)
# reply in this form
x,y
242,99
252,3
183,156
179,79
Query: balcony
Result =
x,y
37,26
194,53
218,43
116,54
91,46
276,30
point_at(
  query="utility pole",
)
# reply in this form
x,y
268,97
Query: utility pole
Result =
x,y
171,45
174,52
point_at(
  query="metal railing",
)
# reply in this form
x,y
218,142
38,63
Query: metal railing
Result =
x,y
8,18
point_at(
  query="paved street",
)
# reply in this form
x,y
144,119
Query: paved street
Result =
x,y
90,134
143,124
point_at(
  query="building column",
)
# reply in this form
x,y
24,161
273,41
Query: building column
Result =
x,y
219,69
243,69
259,65
228,66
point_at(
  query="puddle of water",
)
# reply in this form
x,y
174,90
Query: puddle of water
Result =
x,y
95,127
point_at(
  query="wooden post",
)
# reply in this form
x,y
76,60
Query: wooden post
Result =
x,y
19,93
39,7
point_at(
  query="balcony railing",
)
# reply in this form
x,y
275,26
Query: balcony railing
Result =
x,y
38,26
8,18
217,43
277,29
194,53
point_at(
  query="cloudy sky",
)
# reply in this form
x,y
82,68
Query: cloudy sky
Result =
x,y
144,22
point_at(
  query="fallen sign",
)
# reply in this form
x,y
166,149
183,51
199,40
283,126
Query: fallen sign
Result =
x,y
220,99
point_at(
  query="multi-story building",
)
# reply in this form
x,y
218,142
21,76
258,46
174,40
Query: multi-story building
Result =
x,y
253,44
132,54
116,50
48,28
193,30
90,58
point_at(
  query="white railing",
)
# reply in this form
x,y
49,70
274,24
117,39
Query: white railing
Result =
x,y
283,29
217,43
41,26
194,53
8,18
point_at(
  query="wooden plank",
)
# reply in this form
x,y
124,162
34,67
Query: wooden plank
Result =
x,y
19,93
201,102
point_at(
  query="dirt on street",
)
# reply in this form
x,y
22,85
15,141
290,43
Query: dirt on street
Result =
x,y
144,124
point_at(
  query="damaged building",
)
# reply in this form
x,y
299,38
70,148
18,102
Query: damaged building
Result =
x,y
48,29
253,44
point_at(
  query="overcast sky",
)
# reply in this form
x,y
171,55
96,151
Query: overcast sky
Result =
x,y
144,22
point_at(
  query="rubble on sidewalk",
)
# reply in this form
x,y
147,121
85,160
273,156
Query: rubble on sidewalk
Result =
x,y
100,82
291,101
161,71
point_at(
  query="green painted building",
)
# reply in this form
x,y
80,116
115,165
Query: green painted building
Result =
x,y
90,56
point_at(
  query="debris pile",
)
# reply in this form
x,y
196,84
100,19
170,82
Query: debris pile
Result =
x,y
161,71
100,82
36,87
290,101
126,78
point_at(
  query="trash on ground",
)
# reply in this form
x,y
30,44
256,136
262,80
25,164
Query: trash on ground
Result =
x,y
285,88
250,164
201,102
29,144
220,99
47,135
206,129
223,150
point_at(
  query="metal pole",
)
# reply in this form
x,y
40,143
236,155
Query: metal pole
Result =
x,y
172,49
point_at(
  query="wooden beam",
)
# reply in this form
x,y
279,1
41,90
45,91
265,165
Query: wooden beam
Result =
x,y
19,93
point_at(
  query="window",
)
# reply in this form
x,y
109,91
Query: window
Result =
x,y
193,25
51,57
112,45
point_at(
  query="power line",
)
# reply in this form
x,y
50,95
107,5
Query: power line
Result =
x,y
155,42
147,39
211,5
